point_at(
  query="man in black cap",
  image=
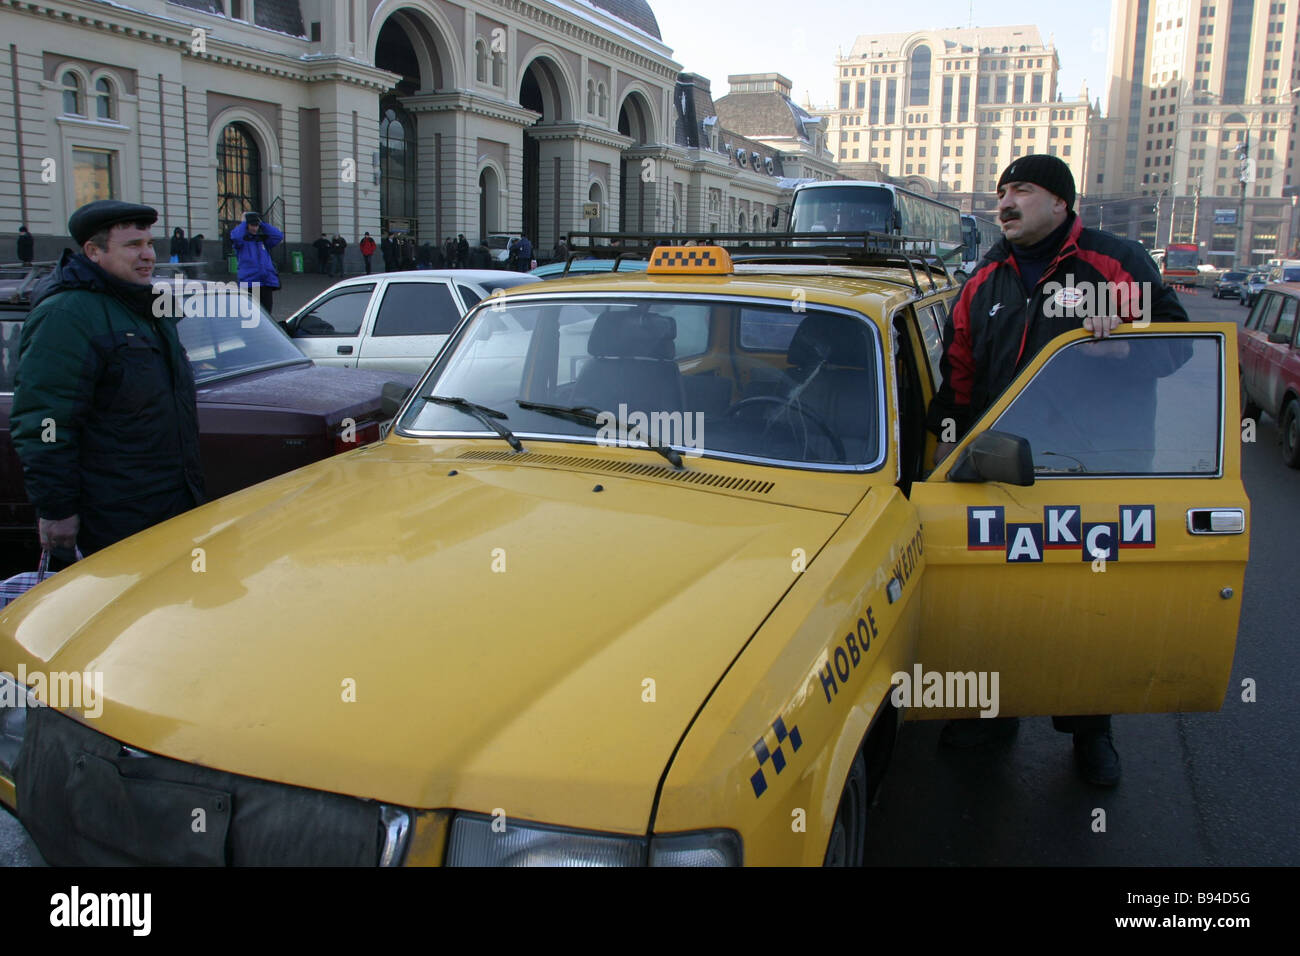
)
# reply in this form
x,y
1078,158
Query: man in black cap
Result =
x,y
26,246
1008,310
104,418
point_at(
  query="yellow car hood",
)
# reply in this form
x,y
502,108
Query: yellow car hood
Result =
x,y
503,637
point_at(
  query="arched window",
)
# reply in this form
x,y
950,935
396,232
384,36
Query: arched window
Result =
x,y
104,99
72,94
499,68
481,61
603,95
239,176
919,77
397,170
591,96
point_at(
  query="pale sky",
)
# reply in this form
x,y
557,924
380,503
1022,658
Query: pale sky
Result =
x,y
801,38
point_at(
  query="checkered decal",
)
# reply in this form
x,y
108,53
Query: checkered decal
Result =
x,y
689,257
777,758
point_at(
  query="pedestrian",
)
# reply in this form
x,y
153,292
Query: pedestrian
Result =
x,y
26,246
178,247
426,255
449,252
253,238
367,246
525,255
322,247
386,249
512,255
408,253
462,251
561,251
1003,317
196,247
481,256
104,418
338,247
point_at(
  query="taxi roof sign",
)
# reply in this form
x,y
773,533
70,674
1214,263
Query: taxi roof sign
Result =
x,y
689,260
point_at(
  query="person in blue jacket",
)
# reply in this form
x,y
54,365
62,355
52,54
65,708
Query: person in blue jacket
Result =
x,y
252,239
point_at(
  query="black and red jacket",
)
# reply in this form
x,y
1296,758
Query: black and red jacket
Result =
x,y
998,326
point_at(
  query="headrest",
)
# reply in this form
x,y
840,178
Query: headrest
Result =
x,y
625,334
833,339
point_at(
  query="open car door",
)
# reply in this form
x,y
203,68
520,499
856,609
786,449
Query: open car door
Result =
x,y
1112,583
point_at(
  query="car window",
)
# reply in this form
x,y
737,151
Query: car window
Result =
x,y
10,330
468,295
340,314
813,396
1291,275
225,333
1266,312
1153,410
416,308
932,319
1286,323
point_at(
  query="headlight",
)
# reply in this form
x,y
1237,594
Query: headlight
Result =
x,y
14,701
475,842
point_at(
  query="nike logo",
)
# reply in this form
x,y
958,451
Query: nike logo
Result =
x,y
994,311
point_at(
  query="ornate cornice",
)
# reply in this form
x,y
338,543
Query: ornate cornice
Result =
x,y
589,37
583,131
470,102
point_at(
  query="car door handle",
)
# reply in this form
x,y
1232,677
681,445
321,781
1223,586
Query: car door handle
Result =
x,y
345,350
1216,521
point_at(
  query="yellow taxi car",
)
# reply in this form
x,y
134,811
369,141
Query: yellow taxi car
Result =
x,y
648,572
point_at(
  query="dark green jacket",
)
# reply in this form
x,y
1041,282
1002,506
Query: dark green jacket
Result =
x,y
104,417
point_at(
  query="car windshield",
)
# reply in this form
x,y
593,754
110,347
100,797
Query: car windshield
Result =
x,y
498,242
721,376
1233,276
226,333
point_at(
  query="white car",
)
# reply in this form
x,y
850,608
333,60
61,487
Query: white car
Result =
x,y
498,244
392,320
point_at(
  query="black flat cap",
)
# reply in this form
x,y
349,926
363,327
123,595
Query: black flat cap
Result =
x,y
103,213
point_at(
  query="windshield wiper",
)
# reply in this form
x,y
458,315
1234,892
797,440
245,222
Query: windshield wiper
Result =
x,y
488,416
586,415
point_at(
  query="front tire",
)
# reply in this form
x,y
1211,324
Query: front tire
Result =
x,y
1291,434
848,842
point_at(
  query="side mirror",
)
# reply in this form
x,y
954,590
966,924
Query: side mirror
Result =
x,y
391,397
995,456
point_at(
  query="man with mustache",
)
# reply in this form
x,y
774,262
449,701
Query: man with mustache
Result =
x,y
1002,318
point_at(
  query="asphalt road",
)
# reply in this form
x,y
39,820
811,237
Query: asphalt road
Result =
x,y
1204,789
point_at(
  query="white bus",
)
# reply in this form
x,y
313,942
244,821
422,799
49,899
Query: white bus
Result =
x,y
979,236
878,207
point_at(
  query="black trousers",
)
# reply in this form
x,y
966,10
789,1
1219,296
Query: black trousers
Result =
x,y
1091,724
264,294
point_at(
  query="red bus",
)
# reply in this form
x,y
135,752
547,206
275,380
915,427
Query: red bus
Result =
x,y
1179,266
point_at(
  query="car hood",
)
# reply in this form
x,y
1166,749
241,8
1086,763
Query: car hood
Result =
x,y
426,631
305,388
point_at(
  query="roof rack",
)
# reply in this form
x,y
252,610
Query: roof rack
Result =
x,y
914,253
17,280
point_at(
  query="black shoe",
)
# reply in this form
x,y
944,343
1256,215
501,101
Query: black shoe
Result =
x,y
977,731
1097,759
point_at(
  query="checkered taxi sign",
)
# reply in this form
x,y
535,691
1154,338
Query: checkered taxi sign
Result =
x,y
690,260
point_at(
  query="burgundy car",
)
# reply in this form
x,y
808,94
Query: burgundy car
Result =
x,y
1269,357
264,408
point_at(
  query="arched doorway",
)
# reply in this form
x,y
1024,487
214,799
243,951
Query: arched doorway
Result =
x,y
412,47
544,90
597,195
489,201
636,209
239,178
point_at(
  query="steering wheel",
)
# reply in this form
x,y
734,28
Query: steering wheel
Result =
x,y
837,446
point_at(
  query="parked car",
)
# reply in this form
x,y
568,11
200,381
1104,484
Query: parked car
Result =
x,y
498,244
1269,361
555,270
1228,285
264,409
395,321
645,590
1251,286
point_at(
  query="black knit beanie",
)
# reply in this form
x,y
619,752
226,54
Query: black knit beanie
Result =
x,y
1047,171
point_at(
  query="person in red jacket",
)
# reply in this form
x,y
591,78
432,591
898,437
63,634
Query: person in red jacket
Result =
x,y
1004,316
367,250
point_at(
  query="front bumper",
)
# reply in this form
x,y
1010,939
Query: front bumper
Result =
x,y
86,799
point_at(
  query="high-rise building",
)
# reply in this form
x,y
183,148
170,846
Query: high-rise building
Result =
x,y
1201,91
945,111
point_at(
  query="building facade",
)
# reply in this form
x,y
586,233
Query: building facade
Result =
x,y
955,107
433,117
1202,94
